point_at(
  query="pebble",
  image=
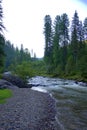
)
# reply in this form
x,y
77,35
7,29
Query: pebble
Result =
x,y
28,110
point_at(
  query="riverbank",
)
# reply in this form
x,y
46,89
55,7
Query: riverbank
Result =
x,y
76,78
28,110
71,100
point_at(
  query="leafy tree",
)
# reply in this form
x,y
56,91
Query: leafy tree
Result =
x,y
23,70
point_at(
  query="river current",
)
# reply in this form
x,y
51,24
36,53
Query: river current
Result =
x,y
71,100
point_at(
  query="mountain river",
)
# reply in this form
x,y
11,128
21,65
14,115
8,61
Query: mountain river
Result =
x,y
71,100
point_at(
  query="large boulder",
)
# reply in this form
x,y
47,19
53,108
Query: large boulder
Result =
x,y
5,84
15,80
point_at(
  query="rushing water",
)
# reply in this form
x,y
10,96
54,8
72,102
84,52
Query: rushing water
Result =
x,y
71,100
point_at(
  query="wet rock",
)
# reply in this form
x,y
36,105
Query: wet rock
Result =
x,y
5,84
15,80
82,84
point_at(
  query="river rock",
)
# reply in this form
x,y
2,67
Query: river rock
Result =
x,y
5,84
15,80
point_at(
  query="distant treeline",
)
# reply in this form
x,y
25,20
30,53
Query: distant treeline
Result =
x,y
66,46
15,55
20,62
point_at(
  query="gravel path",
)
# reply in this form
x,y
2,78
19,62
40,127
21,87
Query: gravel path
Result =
x,y
28,110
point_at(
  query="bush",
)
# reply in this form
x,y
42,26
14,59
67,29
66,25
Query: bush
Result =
x,y
24,70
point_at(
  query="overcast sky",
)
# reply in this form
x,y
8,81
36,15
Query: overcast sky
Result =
x,y
24,19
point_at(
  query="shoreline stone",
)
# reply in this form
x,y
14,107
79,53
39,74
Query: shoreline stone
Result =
x,y
28,110
5,84
15,80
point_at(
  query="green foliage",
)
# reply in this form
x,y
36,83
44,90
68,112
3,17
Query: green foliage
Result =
x,y
21,63
9,53
48,39
39,67
2,39
14,55
85,28
0,76
82,66
28,69
2,55
23,70
70,66
56,39
4,94
65,52
69,52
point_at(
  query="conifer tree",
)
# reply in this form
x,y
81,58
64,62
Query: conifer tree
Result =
x,y
2,39
75,36
85,28
48,40
81,38
64,38
56,40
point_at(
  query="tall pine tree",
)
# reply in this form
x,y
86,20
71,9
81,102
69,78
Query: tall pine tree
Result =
x,y
56,40
85,28
64,39
75,36
48,41
2,40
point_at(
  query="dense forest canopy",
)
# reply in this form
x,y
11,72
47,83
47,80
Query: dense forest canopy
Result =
x,y
66,46
65,53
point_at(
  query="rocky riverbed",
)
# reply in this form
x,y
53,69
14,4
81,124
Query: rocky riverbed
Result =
x,y
35,109
28,110
71,100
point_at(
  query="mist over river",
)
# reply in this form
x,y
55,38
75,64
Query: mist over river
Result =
x,y
71,100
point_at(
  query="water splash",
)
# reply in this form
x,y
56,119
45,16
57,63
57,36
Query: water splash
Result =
x,y
39,89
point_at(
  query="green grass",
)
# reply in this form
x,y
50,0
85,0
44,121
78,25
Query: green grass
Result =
x,y
4,94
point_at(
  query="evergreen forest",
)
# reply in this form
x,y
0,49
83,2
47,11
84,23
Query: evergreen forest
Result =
x,y
65,53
